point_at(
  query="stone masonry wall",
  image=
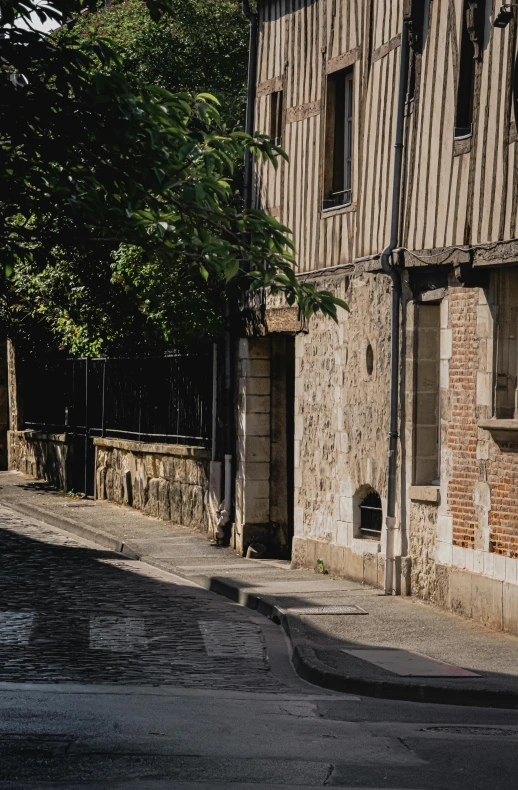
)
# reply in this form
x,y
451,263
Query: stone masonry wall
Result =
x,y
341,426
41,455
170,482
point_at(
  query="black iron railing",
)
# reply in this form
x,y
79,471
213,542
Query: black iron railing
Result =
x,y
150,399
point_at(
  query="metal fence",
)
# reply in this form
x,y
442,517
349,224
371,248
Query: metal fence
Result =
x,y
161,399
150,399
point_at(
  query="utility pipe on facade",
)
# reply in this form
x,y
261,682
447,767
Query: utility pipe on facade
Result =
x,y
225,508
250,101
394,274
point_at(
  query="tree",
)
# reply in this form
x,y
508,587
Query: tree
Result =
x,y
96,169
199,46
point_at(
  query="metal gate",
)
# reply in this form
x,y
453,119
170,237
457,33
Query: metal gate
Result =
x,y
150,399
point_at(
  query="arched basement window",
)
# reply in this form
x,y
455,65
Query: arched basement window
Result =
x,y
371,516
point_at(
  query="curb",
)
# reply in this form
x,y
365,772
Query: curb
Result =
x,y
304,658
309,667
68,525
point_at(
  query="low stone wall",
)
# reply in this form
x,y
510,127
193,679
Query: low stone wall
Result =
x,y
46,456
163,480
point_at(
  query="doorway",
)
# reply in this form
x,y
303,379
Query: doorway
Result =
x,y
282,426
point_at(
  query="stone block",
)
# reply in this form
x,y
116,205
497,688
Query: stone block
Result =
x,y
489,563
430,494
179,470
460,593
175,502
487,601
346,508
499,567
484,389
446,345
381,570
192,506
256,404
100,483
153,495
299,428
478,561
254,348
254,489
127,487
255,425
458,557
511,570
484,321
254,386
152,464
254,368
510,607
296,454
164,508
441,594
370,569
353,567
361,546
443,553
255,470
257,449
140,489
344,533
256,511
298,520
109,480
444,374
194,473
444,528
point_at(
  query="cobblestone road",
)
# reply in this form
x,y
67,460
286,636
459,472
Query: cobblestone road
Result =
x,y
73,613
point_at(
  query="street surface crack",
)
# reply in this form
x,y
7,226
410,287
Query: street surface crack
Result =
x,y
329,774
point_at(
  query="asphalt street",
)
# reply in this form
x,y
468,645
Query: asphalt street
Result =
x,y
114,674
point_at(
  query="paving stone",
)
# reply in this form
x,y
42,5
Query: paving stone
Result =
x,y
72,613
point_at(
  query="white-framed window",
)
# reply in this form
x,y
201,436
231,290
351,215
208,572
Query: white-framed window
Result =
x,y
338,170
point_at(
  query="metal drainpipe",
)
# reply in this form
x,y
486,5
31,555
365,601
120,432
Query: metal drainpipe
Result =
x,y
394,274
250,101
226,508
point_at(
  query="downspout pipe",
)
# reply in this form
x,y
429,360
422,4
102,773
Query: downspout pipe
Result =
x,y
250,101
225,510
388,267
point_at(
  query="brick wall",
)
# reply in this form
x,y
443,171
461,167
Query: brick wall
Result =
x,y
477,460
502,475
463,428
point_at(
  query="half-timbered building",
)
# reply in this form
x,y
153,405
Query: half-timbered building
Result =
x,y
401,191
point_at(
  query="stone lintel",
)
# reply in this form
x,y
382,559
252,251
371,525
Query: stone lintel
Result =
x,y
181,450
283,319
435,257
501,430
430,494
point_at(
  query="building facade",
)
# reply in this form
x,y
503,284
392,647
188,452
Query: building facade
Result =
x,y
314,398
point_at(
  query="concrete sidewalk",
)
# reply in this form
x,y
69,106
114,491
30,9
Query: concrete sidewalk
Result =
x,y
273,589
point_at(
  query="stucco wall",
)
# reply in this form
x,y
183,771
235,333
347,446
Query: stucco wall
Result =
x,y
163,480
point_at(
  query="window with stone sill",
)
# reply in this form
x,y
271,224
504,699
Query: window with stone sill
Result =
x,y
504,304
